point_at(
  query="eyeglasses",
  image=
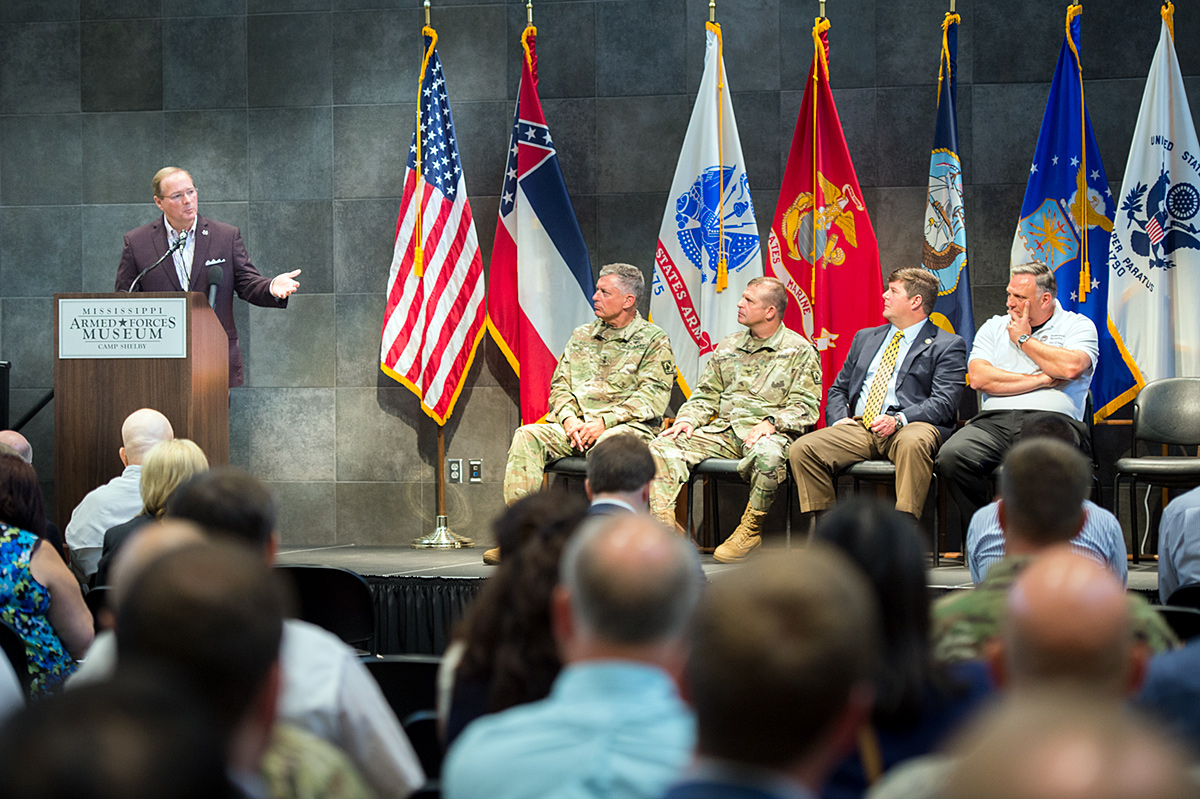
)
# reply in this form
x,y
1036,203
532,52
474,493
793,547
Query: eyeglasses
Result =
x,y
179,195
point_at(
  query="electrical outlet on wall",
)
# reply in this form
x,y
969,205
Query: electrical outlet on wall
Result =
x,y
454,470
475,470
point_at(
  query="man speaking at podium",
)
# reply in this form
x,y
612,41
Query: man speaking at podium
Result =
x,y
196,245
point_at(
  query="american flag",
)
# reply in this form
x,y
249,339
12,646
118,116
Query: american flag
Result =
x,y
435,313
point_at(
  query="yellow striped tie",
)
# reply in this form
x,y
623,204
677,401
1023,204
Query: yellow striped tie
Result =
x,y
883,376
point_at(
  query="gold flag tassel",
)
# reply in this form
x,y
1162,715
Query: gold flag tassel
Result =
x,y
722,256
1085,270
820,25
418,233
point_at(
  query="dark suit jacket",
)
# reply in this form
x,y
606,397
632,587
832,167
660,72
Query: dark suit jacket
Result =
x,y
929,382
603,507
216,244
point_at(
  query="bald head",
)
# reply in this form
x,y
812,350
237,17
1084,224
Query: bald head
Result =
x,y
1066,745
629,582
142,430
18,443
1067,621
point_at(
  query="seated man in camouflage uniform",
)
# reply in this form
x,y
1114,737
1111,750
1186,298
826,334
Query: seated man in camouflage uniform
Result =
x,y
614,377
757,393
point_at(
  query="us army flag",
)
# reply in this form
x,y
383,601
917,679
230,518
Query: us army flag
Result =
x,y
708,242
1154,253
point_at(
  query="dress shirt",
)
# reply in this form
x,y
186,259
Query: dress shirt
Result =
x,y
1178,552
1101,538
889,399
609,728
183,257
115,502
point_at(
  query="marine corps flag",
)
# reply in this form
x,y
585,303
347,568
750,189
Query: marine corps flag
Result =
x,y
708,245
540,286
1067,215
1154,253
945,248
822,245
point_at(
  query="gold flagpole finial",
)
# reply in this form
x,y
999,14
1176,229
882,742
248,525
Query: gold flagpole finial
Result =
x,y
822,14
712,10
528,12
951,6
426,12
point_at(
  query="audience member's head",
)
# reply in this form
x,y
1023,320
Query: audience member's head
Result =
x,y
886,547
147,544
212,615
124,739
510,648
142,430
230,502
19,444
621,467
1066,745
627,589
21,503
781,663
1042,489
1067,622
1048,425
167,465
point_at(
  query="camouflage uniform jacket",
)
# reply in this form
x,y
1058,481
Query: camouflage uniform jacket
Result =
x,y
963,621
614,374
748,379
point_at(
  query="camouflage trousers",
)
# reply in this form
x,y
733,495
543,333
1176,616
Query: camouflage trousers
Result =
x,y
763,466
535,445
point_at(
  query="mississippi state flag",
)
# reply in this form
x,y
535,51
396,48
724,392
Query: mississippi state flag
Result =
x,y
708,243
435,315
540,287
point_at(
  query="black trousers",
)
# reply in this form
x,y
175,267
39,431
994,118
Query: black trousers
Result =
x,y
966,461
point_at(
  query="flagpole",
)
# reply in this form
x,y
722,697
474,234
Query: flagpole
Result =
x,y
529,12
441,537
712,10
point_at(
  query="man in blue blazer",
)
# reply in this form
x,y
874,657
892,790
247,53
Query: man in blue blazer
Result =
x,y
895,398
205,244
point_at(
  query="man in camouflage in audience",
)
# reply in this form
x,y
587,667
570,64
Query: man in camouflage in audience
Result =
x,y
1042,489
615,376
757,393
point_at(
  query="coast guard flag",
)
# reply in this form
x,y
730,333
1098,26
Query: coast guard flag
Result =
x,y
1067,214
945,249
831,268
540,287
708,242
1154,254
435,316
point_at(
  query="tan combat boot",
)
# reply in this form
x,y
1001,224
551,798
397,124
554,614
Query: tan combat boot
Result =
x,y
744,540
492,556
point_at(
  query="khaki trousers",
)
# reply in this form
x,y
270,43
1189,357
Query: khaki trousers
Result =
x,y
817,456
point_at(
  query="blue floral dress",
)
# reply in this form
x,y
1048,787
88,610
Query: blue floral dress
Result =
x,y
24,603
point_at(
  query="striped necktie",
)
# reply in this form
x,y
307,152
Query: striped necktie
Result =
x,y
883,376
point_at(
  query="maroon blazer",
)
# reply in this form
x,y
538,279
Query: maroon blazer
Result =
x,y
216,244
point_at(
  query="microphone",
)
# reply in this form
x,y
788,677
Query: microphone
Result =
x,y
178,245
215,275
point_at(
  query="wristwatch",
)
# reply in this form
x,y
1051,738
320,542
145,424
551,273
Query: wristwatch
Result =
x,y
899,421
771,419
1021,339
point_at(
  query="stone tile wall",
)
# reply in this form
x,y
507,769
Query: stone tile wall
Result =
x,y
294,116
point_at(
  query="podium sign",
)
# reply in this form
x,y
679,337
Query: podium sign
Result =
x,y
123,328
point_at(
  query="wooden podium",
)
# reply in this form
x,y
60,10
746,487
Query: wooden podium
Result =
x,y
116,353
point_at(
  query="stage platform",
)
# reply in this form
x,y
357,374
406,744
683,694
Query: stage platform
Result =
x,y
421,593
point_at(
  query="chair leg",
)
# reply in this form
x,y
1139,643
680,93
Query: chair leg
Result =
x,y
715,525
787,525
691,530
937,546
1133,519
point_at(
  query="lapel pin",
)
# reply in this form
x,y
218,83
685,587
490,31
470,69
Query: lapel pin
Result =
x,y
204,232
928,340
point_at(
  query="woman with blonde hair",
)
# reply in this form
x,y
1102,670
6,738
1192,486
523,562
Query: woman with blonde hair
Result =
x,y
166,466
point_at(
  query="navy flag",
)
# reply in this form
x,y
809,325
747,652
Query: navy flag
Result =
x,y
1067,215
945,248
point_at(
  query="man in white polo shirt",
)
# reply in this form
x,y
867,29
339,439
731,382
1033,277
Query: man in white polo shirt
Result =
x,y
1038,357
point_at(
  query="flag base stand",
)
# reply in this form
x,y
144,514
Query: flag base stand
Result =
x,y
442,538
